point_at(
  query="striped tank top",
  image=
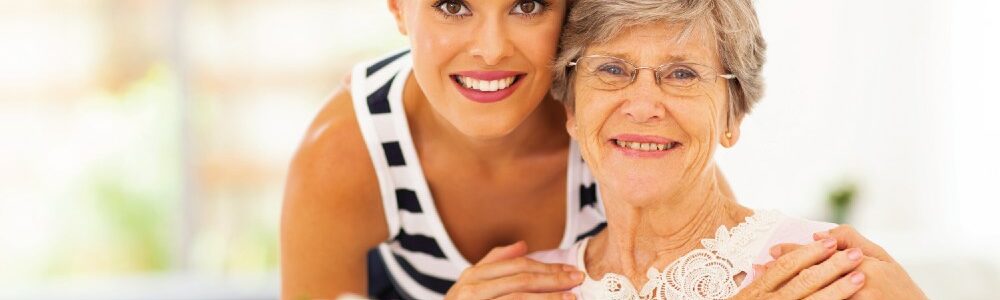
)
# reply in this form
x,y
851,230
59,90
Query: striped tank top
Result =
x,y
419,260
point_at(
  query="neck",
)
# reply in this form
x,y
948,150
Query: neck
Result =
x,y
541,132
653,236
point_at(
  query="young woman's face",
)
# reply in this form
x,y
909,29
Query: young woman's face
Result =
x,y
483,64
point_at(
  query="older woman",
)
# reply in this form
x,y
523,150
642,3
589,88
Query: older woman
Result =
x,y
652,88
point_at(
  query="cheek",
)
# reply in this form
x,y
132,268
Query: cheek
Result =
x,y
697,121
537,43
592,118
703,119
434,41
435,46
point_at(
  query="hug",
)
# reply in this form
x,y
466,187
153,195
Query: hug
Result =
x,y
556,149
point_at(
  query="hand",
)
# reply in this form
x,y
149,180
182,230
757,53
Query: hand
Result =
x,y
506,274
887,278
813,271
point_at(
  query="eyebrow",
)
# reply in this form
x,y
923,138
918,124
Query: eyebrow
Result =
x,y
663,59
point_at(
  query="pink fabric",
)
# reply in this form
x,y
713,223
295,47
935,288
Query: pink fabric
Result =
x,y
789,230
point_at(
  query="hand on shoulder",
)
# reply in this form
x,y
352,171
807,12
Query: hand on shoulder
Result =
x,y
885,278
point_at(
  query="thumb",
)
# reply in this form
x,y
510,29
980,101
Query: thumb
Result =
x,y
520,248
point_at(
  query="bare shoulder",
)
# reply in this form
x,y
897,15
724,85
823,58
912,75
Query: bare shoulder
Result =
x,y
331,192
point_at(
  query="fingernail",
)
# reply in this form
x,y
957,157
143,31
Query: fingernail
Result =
x,y
830,243
775,251
568,296
857,277
568,268
576,276
854,254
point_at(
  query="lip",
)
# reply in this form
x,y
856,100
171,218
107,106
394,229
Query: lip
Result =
x,y
488,75
643,139
487,97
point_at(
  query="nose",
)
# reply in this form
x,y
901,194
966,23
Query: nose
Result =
x,y
643,100
491,43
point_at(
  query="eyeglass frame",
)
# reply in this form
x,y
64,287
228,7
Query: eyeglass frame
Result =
x,y
635,74
728,76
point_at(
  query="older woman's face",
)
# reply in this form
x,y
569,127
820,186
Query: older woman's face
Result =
x,y
680,127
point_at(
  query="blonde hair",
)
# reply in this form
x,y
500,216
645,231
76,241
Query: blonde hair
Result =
x,y
740,43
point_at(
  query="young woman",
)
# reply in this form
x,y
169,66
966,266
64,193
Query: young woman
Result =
x,y
435,156
407,184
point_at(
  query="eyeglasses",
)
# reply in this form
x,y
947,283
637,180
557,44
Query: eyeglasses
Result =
x,y
615,73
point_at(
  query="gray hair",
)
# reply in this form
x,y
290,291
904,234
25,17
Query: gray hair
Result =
x,y
740,42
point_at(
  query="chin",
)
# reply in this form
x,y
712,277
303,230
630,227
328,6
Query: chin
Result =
x,y
485,129
638,190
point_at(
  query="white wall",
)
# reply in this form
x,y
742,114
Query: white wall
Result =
x,y
898,96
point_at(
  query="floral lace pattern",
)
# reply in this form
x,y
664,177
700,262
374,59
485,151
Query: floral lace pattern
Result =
x,y
706,273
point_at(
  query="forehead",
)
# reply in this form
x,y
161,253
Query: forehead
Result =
x,y
663,42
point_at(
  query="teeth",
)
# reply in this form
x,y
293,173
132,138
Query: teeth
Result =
x,y
645,146
486,85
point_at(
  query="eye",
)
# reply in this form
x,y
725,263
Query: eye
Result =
x,y
528,8
452,8
681,74
612,68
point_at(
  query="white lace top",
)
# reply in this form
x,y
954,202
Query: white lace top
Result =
x,y
704,273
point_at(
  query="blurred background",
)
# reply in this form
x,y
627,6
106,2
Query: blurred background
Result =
x,y
145,142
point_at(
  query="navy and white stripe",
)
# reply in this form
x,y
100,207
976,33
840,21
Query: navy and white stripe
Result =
x,y
419,260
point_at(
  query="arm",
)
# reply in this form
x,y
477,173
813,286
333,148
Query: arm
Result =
x,y
331,191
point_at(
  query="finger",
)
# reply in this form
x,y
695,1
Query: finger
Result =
x,y
529,283
816,277
843,288
539,296
779,249
848,237
520,248
516,265
786,267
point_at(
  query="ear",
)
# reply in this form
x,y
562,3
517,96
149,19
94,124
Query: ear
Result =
x,y
397,12
570,121
729,140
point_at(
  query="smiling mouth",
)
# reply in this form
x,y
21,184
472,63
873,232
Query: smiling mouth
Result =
x,y
645,146
495,85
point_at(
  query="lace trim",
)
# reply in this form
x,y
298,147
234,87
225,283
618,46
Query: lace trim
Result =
x,y
706,273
